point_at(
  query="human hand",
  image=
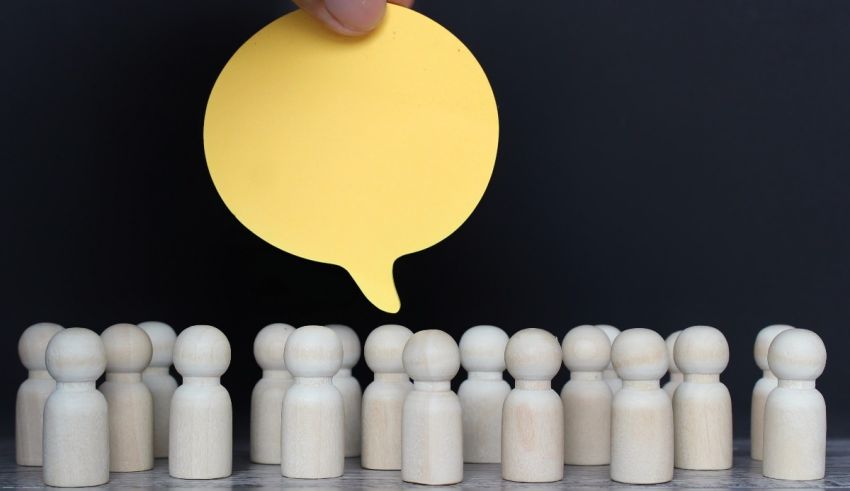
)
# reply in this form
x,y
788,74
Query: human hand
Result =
x,y
349,17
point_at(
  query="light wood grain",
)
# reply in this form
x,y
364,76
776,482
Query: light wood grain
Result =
x,y
795,411
200,439
33,392
160,382
609,374
349,387
745,474
128,353
641,414
313,434
383,399
676,376
76,426
533,416
702,406
586,397
483,393
267,396
431,423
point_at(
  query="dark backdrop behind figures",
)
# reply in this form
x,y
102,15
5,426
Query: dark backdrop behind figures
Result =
x,y
661,164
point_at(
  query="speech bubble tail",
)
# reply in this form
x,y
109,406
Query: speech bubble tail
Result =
x,y
376,282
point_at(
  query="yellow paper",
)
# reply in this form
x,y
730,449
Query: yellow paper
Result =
x,y
352,151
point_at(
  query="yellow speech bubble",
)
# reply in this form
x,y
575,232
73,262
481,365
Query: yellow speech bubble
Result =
x,y
352,151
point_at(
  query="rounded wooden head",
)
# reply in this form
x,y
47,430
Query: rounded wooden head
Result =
x,y
431,356
763,340
533,354
76,355
128,348
701,350
586,349
482,349
313,351
612,333
350,344
671,345
384,348
32,345
201,351
639,354
162,338
797,354
269,345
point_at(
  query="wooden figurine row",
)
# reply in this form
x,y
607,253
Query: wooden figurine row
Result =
x,y
306,409
137,414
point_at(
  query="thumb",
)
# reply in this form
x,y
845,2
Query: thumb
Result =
x,y
348,17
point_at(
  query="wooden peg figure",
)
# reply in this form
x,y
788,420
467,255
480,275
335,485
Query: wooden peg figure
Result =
x,y
349,387
702,406
533,416
642,413
76,416
609,374
432,428
482,354
160,382
201,429
128,353
267,396
763,387
795,411
33,392
383,399
586,397
313,426
676,376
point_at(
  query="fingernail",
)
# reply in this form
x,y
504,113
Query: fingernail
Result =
x,y
357,15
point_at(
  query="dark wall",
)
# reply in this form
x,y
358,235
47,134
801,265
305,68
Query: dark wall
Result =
x,y
661,164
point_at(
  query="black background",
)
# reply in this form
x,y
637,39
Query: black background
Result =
x,y
661,164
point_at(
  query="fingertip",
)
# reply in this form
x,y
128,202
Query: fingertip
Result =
x,y
357,16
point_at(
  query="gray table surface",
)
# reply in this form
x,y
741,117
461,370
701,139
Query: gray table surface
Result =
x,y
746,474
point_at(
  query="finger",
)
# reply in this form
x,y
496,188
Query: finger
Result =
x,y
403,3
347,17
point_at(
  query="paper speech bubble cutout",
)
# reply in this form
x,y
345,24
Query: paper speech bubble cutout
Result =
x,y
352,151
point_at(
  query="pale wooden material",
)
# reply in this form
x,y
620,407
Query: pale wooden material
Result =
x,y
642,413
795,412
533,416
763,387
128,352
349,387
432,427
676,376
609,374
160,382
201,429
383,399
745,474
76,419
482,394
586,397
313,425
33,392
702,406
268,393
